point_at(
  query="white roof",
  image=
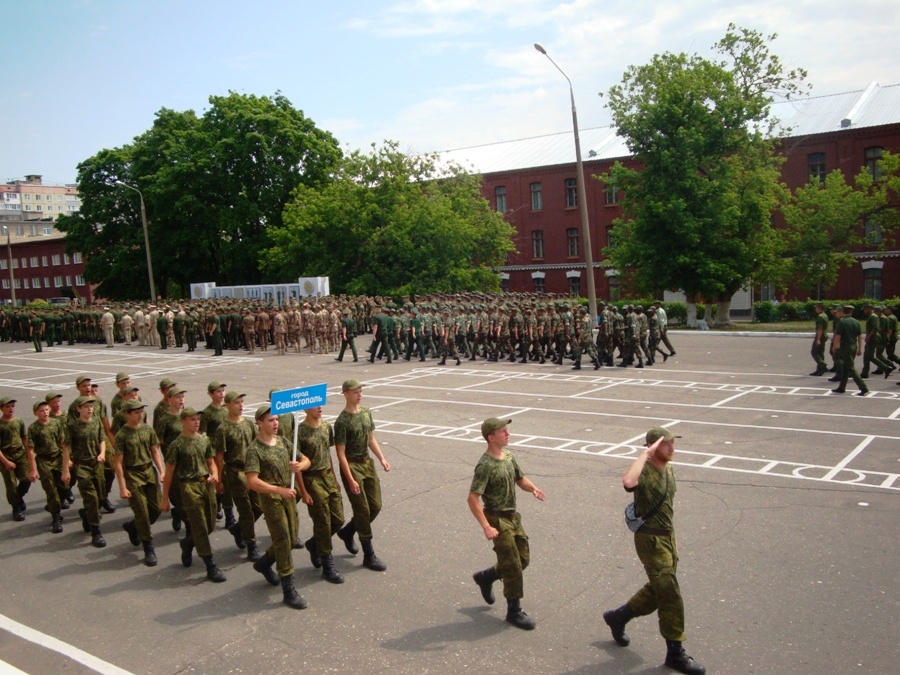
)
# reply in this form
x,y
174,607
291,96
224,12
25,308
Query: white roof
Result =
x,y
873,106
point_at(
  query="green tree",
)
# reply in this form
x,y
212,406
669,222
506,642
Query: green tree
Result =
x,y
697,212
390,223
212,186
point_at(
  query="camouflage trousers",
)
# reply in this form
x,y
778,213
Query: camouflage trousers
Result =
x,y
661,594
513,555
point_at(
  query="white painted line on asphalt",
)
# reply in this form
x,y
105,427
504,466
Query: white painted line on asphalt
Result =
x,y
729,399
53,644
7,669
894,415
849,458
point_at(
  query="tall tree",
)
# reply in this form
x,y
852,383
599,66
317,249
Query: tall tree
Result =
x,y
391,223
697,212
212,186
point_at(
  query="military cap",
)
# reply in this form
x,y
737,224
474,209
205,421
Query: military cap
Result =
x,y
189,412
128,390
233,395
82,400
52,395
82,378
350,385
492,424
659,432
6,400
212,386
261,412
38,404
133,405
166,382
122,376
175,391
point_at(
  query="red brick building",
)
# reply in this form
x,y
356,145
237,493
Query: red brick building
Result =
x,y
533,182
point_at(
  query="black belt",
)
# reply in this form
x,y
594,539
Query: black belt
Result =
x,y
358,460
500,514
198,479
655,531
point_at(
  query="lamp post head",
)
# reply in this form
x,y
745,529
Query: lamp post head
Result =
x,y
540,48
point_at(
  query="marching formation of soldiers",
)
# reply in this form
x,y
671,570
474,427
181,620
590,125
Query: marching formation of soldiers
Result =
x,y
202,466
512,327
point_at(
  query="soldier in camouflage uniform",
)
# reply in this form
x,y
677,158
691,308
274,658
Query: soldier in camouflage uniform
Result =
x,y
492,500
651,479
268,468
584,340
354,437
230,442
191,467
136,454
15,463
87,444
319,491
46,443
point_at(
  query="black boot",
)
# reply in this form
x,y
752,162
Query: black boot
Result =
x,y
370,560
176,519
577,366
97,540
213,573
678,659
253,553
443,361
346,534
485,580
187,551
616,620
131,529
264,567
229,518
235,531
56,524
328,572
313,554
17,515
291,597
107,506
517,616
149,554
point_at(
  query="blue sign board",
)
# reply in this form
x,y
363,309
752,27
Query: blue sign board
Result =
x,y
294,400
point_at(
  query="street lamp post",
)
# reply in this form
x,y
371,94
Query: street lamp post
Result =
x,y
9,258
582,195
146,238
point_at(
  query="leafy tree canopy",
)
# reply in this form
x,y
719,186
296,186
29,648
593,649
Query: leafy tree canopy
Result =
x,y
212,185
391,223
697,212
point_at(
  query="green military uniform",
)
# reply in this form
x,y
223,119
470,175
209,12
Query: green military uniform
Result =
x,y
874,344
85,439
849,331
657,550
47,440
352,430
12,436
327,509
186,458
495,480
348,333
819,342
231,439
135,446
273,465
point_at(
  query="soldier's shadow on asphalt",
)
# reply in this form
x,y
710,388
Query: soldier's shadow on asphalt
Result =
x,y
620,660
244,599
434,638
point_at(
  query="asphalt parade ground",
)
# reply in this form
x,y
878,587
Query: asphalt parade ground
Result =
x,y
786,517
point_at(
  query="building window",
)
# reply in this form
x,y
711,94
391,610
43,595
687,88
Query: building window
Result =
x,y
43,261
46,282
575,286
20,230
24,263
572,241
500,195
611,193
33,230
873,156
539,286
537,244
3,264
537,197
27,208
76,258
55,259
79,280
18,283
36,282
48,230
504,284
6,284
37,198
816,163
27,197
66,259
34,261
57,282
872,283
873,231
571,193
24,281
767,292
68,280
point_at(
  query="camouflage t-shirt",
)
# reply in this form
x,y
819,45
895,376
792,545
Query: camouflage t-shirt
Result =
x,y
12,436
314,442
210,419
352,430
495,480
85,439
649,491
232,439
271,462
46,439
168,427
134,444
188,454
286,427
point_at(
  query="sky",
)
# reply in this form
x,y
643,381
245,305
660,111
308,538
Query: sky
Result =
x,y
432,75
